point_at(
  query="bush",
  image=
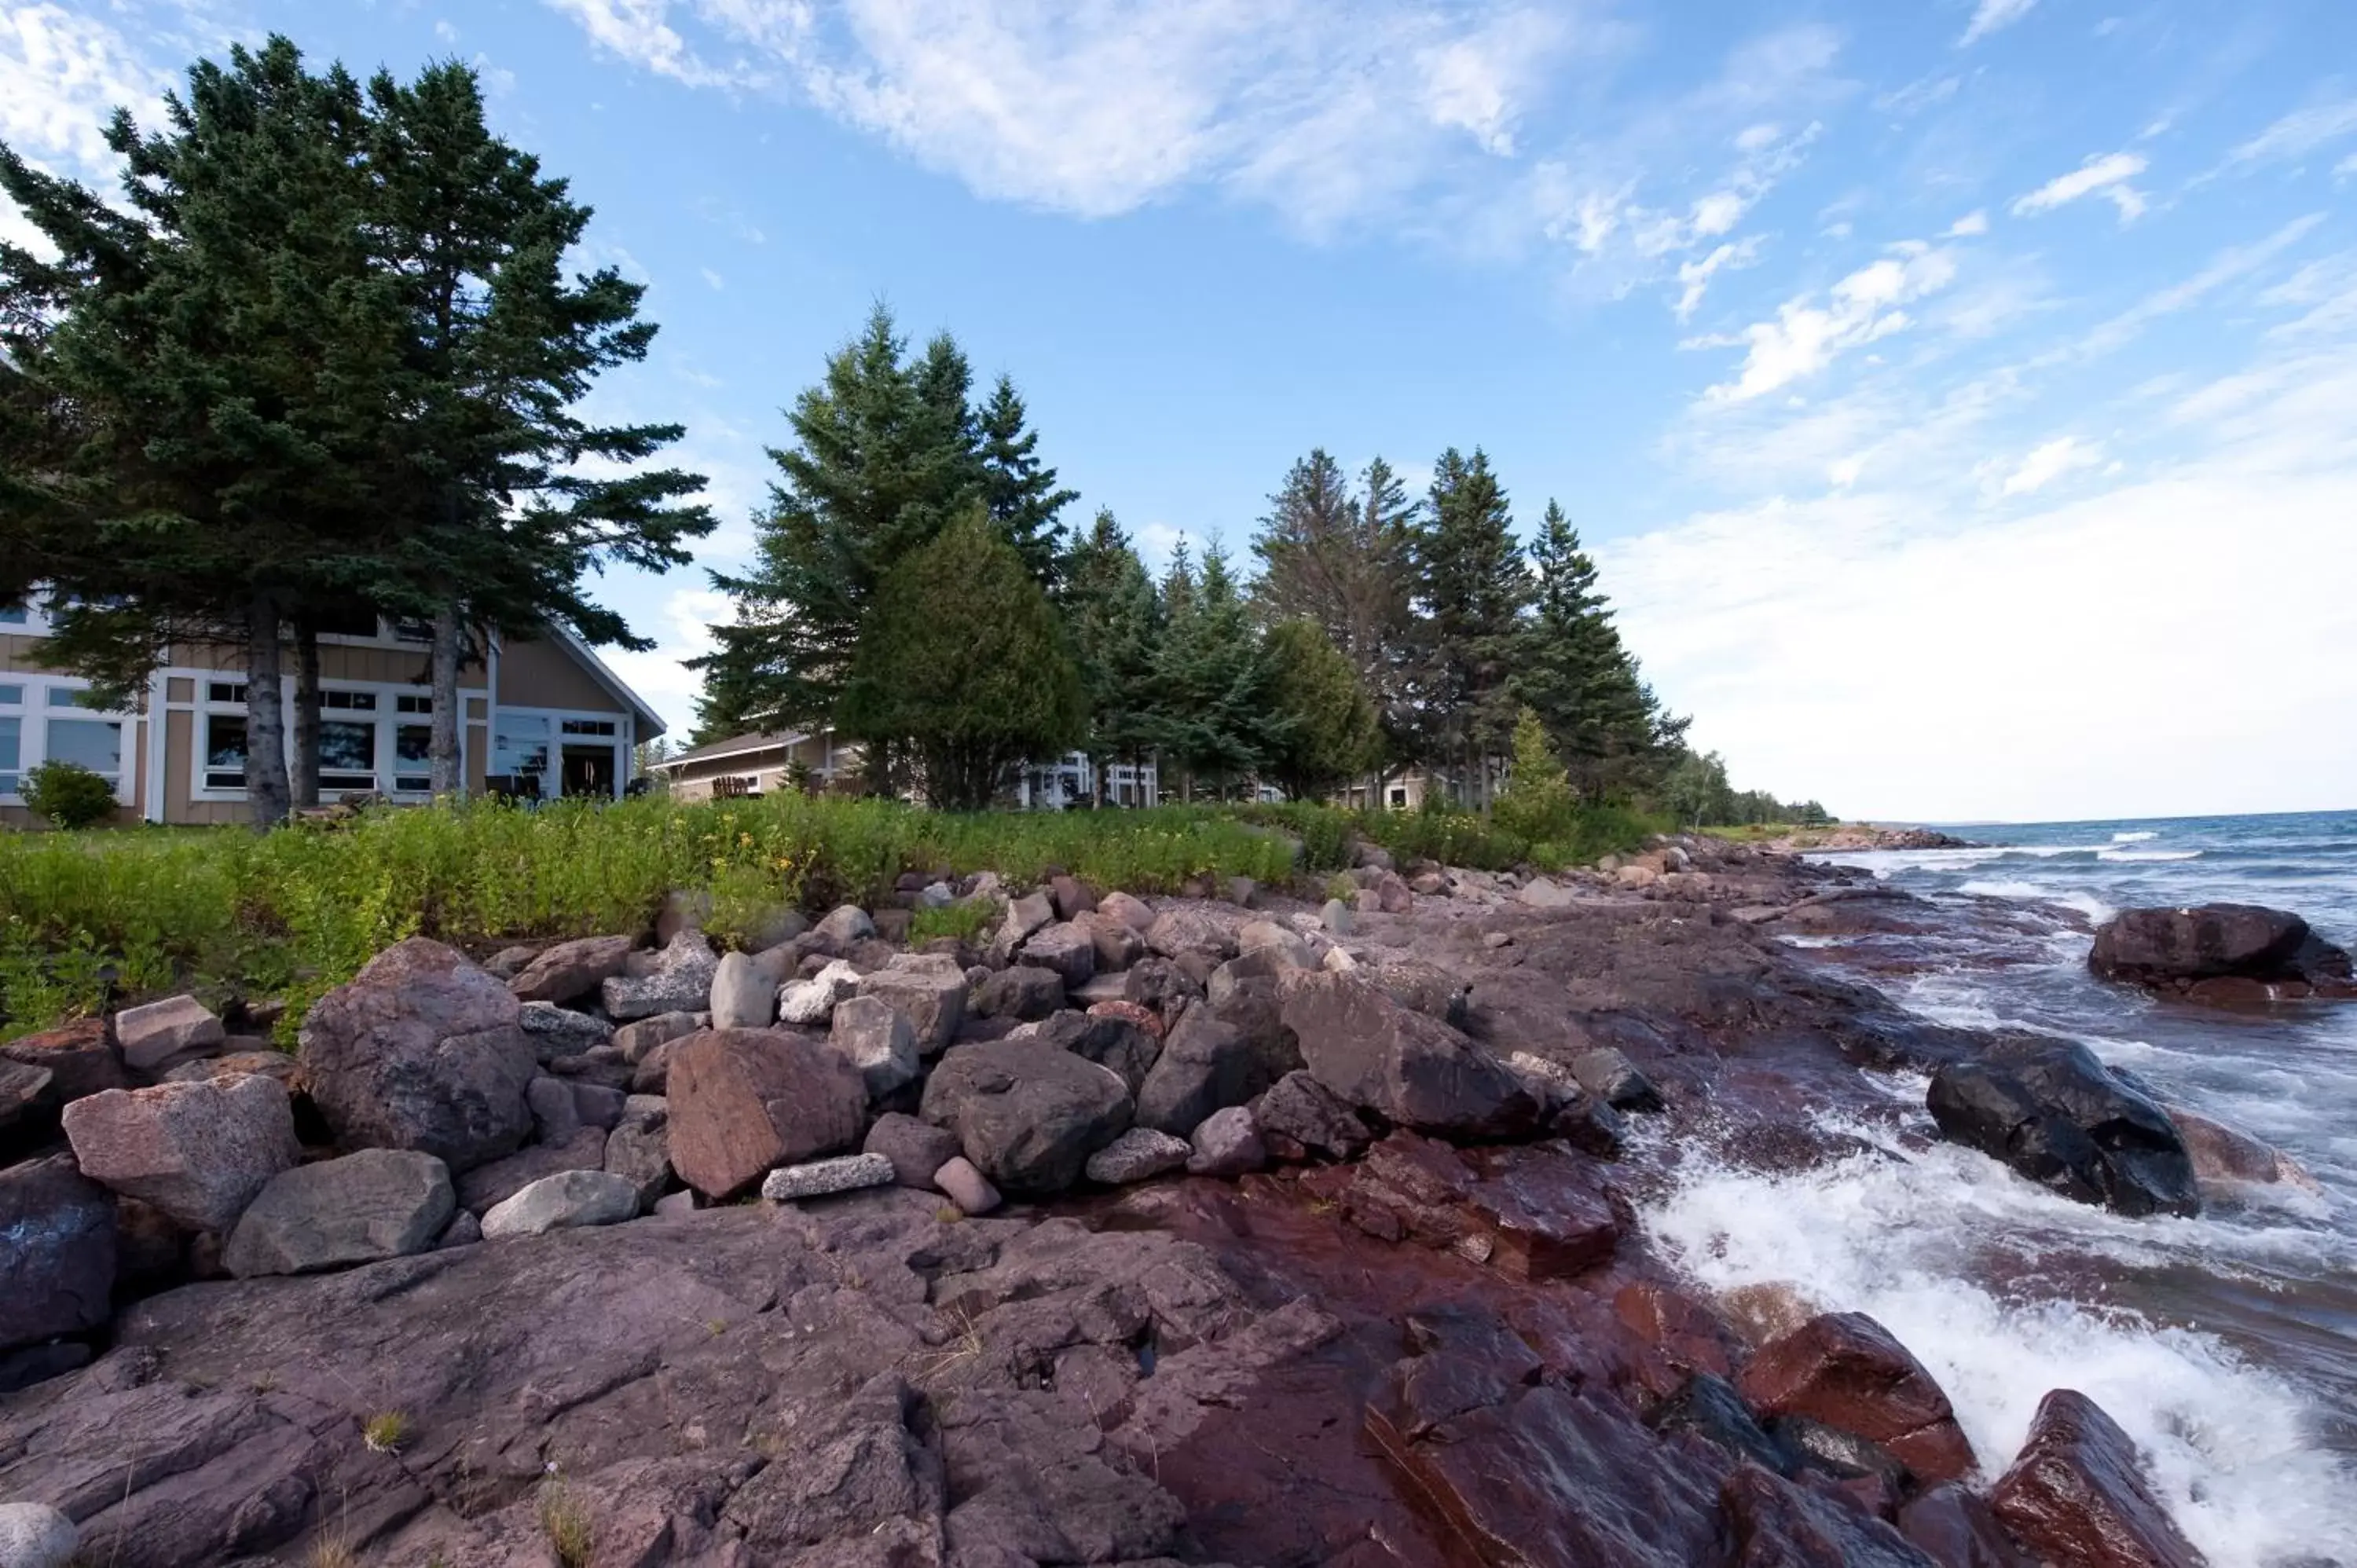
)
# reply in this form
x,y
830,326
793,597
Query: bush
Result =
x,y
69,795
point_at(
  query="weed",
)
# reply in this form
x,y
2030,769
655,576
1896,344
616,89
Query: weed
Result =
x,y
949,1214
386,1432
965,921
566,1522
331,1552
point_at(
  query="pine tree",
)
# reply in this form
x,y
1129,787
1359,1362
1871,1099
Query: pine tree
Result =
x,y
1115,619
965,656
1215,715
1471,587
1538,801
1020,490
1328,731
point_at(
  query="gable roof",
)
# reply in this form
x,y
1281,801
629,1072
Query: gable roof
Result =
x,y
734,745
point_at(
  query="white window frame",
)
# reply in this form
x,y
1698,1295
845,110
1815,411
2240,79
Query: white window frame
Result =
x,y
387,716
553,781
33,716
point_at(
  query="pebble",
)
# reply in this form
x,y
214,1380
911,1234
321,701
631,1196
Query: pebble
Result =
x,y
966,1187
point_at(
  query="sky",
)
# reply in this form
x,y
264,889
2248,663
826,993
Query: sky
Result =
x,y
1959,396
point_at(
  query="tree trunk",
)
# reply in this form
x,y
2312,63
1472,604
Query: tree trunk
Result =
x,y
306,781
267,786
445,765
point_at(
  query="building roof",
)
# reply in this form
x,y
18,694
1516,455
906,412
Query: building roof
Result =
x,y
650,723
734,745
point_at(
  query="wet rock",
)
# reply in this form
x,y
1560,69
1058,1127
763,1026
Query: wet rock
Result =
x,y
1531,1213
375,1203
1066,948
568,1200
1411,1069
2078,1493
1846,1370
677,979
77,1056
1226,1144
1609,1074
57,1251
558,1032
1139,1155
1776,1524
927,989
845,924
422,1051
744,1100
2192,950
2225,1157
35,1535
570,970
198,1152
1688,1334
1205,1065
812,1002
818,1178
2052,1112
1709,1406
488,1186
1956,1528
874,1038
1299,1117
916,1148
1184,930
1027,1114
1024,992
156,1033
965,1187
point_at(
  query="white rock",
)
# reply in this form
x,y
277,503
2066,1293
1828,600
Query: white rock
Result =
x,y
35,1535
1137,1156
880,1042
155,1033
744,993
848,923
1542,894
561,1202
812,1001
846,1173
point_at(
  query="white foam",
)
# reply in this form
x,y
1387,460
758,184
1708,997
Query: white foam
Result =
x,y
2148,855
2231,1447
2133,838
2004,890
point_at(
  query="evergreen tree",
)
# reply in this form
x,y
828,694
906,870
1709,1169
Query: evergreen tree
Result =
x,y
1538,801
1471,587
1574,671
1020,490
1214,713
1115,619
963,656
1328,731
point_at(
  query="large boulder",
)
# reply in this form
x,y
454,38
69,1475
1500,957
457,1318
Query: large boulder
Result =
x,y
57,1251
1066,948
743,1100
812,1001
78,1058
572,970
35,1535
155,1033
375,1203
198,1152
1206,1064
745,990
927,989
1024,993
917,1148
1845,1368
874,1037
2078,1493
1109,1039
2219,953
2053,1112
1409,1069
1299,1117
1028,1114
422,1051
563,1202
678,979
1185,929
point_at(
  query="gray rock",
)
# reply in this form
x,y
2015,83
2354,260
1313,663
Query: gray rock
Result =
x,y
422,1051
1027,1114
812,1002
1281,942
57,1251
1607,1074
1299,1117
1108,1039
1139,1155
927,989
1135,913
198,1152
22,1089
463,1230
1118,943
597,1105
877,1040
573,969
744,993
1024,992
1242,892
35,1535
1540,893
672,1205
845,924
1030,913
1179,931
375,1203
554,1116
678,980
966,1187
916,1148
1206,1064
636,1041
560,1032
639,1151
1336,916
488,1186
1066,948
155,1033
935,896
846,1173
1227,1144
562,1202
1409,1069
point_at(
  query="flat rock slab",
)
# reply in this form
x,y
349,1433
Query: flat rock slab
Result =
x,y
846,1173
568,1200
375,1203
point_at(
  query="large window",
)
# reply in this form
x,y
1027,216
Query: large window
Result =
x,y
519,744
94,743
413,746
347,746
224,735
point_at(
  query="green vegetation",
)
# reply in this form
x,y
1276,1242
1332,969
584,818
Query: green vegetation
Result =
x,y
68,795
87,921
1697,794
386,1432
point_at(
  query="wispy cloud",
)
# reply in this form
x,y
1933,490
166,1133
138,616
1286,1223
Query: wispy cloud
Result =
x,y
62,75
1807,335
1990,16
2049,462
2299,133
2105,175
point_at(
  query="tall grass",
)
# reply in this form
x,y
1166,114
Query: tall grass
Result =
x,y
88,917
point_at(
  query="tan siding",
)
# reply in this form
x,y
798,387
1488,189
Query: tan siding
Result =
x,y
478,752
19,653
544,675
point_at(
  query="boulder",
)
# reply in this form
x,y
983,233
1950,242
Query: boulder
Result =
x,y
1284,941
1066,948
1032,912
1607,1073
558,1032
1113,1040
1955,1528
635,1041
1205,1065
1844,1369
1135,913
239,1064
1299,1117
77,1056
812,1002
422,1051
1392,894
1183,930
845,924
1139,1155
198,1152
1336,917
2078,1493
1411,1069
2052,1112
743,1100
2227,1157
1022,992
1542,893
677,980
488,1186
1027,1113
22,1089
871,1035
1161,986
1118,943
1071,896
57,1251
639,1151
927,989
1137,1012
562,1202
917,1148
966,1187
1424,988
845,1173
573,969
2184,949
35,1535
375,1203
745,991
554,1116
1226,1144
152,1034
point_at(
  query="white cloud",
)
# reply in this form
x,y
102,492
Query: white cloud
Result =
x,y
62,75
1990,16
2050,462
682,630
445,31
1694,276
2299,133
2346,168
712,279
1862,308
2105,175
2229,266
1969,225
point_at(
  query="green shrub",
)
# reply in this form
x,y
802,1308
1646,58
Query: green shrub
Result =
x,y
965,921
68,795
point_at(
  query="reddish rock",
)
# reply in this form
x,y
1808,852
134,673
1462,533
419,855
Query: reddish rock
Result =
x,y
743,1100
2077,1495
78,1057
572,970
1674,1323
1844,1369
1956,1528
198,1152
1071,896
22,1089
1774,1524
1531,1213
1137,1012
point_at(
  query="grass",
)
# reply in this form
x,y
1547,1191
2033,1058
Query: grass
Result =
x,y
385,1433
89,921
564,1521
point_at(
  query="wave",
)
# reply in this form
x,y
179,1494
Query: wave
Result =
x,y
2133,838
2003,890
2087,904
1907,1240
2148,855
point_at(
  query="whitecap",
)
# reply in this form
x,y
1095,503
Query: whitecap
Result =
x,y
1978,889
2133,838
2148,855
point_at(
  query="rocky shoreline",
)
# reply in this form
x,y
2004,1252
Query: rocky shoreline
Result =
x,y
1171,1230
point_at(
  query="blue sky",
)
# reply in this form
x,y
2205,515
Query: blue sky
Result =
x,y
1961,395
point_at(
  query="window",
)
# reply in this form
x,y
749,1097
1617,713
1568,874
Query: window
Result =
x,y
589,726
1399,798
15,615
349,702
349,623
347,751
96,744
67,697
224,750
225,691
12,739
519,744
409,628
413,758
407,703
